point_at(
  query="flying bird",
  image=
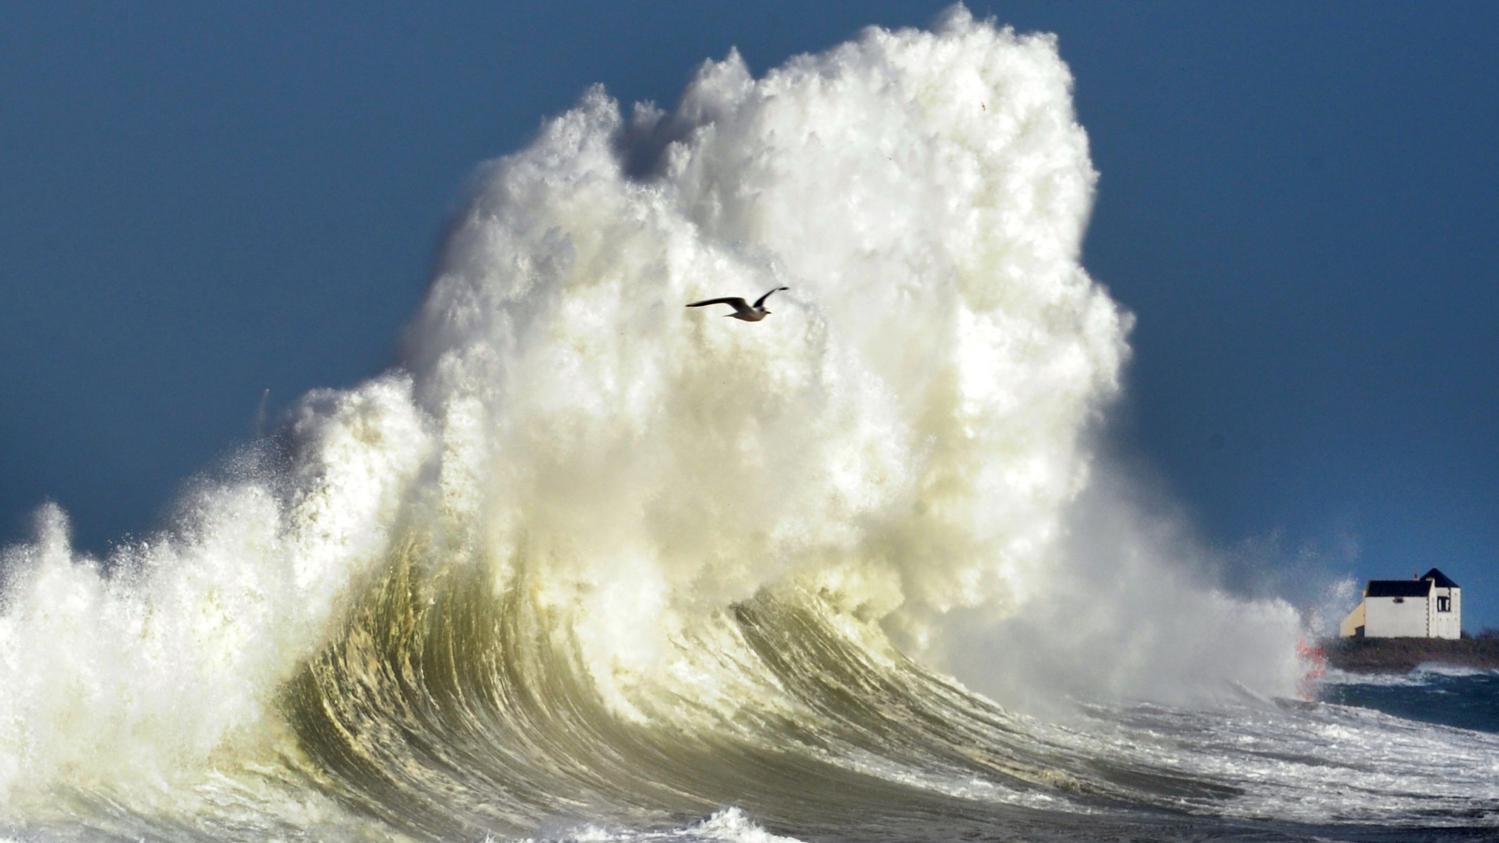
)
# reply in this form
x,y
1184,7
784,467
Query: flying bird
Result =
x,y
748,312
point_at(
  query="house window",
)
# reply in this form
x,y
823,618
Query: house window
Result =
x,y
1444,604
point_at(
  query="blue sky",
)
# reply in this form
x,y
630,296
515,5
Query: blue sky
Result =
x,y
1299,203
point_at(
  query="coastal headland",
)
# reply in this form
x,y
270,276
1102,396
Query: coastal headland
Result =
x,y
1400,655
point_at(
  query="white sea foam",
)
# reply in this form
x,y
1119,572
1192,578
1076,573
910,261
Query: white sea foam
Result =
x,y
139,676
1342,677
905,435
729,825
1422,674
1439,669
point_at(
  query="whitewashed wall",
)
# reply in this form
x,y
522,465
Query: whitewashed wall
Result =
x,y
1445,624
1384,618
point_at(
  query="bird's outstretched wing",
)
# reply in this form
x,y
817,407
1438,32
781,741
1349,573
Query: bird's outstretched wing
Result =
x,y
735,302
761,300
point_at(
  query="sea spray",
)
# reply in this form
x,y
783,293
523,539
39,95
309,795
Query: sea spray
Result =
x,y
137,677
585,532
904,430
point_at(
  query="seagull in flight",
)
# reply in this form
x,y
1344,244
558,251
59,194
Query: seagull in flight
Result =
x,y
747,312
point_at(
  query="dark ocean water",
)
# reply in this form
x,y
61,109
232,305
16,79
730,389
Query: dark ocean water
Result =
x,y
1458,697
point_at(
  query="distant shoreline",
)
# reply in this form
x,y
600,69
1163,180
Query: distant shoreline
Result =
x,y
1402,655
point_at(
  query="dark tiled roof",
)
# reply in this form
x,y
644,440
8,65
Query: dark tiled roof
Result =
x,y
1398,588
1441,579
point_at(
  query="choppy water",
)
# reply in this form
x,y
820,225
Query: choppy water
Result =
x,y
589,564
1464,698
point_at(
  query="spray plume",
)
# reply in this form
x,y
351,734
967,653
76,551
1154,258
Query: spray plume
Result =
x,y
905,441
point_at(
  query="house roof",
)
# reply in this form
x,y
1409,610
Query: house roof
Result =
x,y
1441,579
1398,588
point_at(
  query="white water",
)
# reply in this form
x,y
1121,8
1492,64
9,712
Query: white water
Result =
x,y
906,435
729,825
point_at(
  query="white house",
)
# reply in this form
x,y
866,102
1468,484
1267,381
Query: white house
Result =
x,y
1429,606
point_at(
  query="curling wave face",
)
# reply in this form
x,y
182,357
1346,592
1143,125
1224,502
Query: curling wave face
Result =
x,y
450,712
591,556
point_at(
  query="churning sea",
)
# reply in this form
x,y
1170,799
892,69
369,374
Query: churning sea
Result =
x,y
593,565
1463,698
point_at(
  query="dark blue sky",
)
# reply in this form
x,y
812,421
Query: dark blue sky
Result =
x,y
1300,203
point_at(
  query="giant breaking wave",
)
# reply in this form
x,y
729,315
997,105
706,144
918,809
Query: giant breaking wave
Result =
x,y
590,554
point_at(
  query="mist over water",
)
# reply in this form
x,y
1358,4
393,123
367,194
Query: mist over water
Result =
x,y
590,555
